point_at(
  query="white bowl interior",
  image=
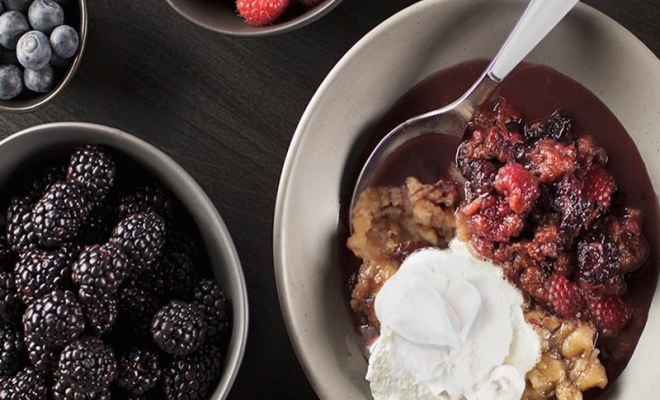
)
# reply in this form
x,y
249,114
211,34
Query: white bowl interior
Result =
x,y
428,36
19,150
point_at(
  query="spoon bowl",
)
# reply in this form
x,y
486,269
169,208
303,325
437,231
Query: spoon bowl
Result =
x,y
538,19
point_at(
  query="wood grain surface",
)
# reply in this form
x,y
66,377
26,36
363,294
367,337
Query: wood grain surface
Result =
x,y
225,108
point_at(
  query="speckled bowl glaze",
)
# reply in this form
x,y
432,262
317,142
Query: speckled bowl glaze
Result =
x,y
426,37
39,143
221,16
32,101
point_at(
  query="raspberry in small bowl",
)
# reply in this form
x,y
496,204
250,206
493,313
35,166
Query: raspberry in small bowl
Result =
x,y
253,18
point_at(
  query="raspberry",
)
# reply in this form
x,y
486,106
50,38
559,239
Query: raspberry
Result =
x,y
261,12
564,297
609,314
599,187
518,185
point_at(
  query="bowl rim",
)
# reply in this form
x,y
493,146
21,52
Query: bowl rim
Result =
x,y
305,19
41,99
157,162
281,250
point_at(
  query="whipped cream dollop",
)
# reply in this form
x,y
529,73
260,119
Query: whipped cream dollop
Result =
x,y
452,327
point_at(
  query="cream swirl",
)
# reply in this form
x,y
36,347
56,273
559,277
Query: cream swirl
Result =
x,y
451,328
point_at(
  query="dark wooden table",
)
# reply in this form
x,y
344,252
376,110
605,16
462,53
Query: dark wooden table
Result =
x,y
225,108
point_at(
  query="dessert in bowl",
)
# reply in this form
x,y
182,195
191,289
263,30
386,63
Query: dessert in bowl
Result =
x,y
423,39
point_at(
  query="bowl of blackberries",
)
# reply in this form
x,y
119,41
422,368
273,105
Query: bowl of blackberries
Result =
x,y
118,277
41,45
253,17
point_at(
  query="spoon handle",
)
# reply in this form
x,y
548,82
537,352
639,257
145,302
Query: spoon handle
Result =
x,y
536,22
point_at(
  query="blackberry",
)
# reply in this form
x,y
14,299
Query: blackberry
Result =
x,y
138,370
179,328
27,384
100,266
10,303
97,226
141,237
147,198
37,187
192,376
173,278
38,272
20,229
137,306
93,170
63,390
6,254
43,357
56,319
213,303
58,215
88,365
100,309
12,349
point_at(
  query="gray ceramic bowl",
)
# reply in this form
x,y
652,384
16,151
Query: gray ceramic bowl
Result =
x,y
30,101
426,37
222,16
38,144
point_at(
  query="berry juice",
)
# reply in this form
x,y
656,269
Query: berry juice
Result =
x,y
535,91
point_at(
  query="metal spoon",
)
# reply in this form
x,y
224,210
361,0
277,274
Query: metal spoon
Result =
x,y
539,18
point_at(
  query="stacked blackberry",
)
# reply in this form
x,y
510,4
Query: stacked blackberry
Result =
x,y
103,294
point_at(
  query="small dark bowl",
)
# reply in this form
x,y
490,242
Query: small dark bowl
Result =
x,y
29,101
221,16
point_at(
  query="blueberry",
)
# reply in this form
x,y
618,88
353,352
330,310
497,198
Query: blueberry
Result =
x,y
40,81
45,15
11,81
13,24
65,41
33,50
18,5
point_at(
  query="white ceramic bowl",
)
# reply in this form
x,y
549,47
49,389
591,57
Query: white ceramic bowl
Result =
x,y
428,36
221,16
41,143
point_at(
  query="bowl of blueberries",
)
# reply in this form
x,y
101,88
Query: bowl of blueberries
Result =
x,y
118,277
41,45
253,17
